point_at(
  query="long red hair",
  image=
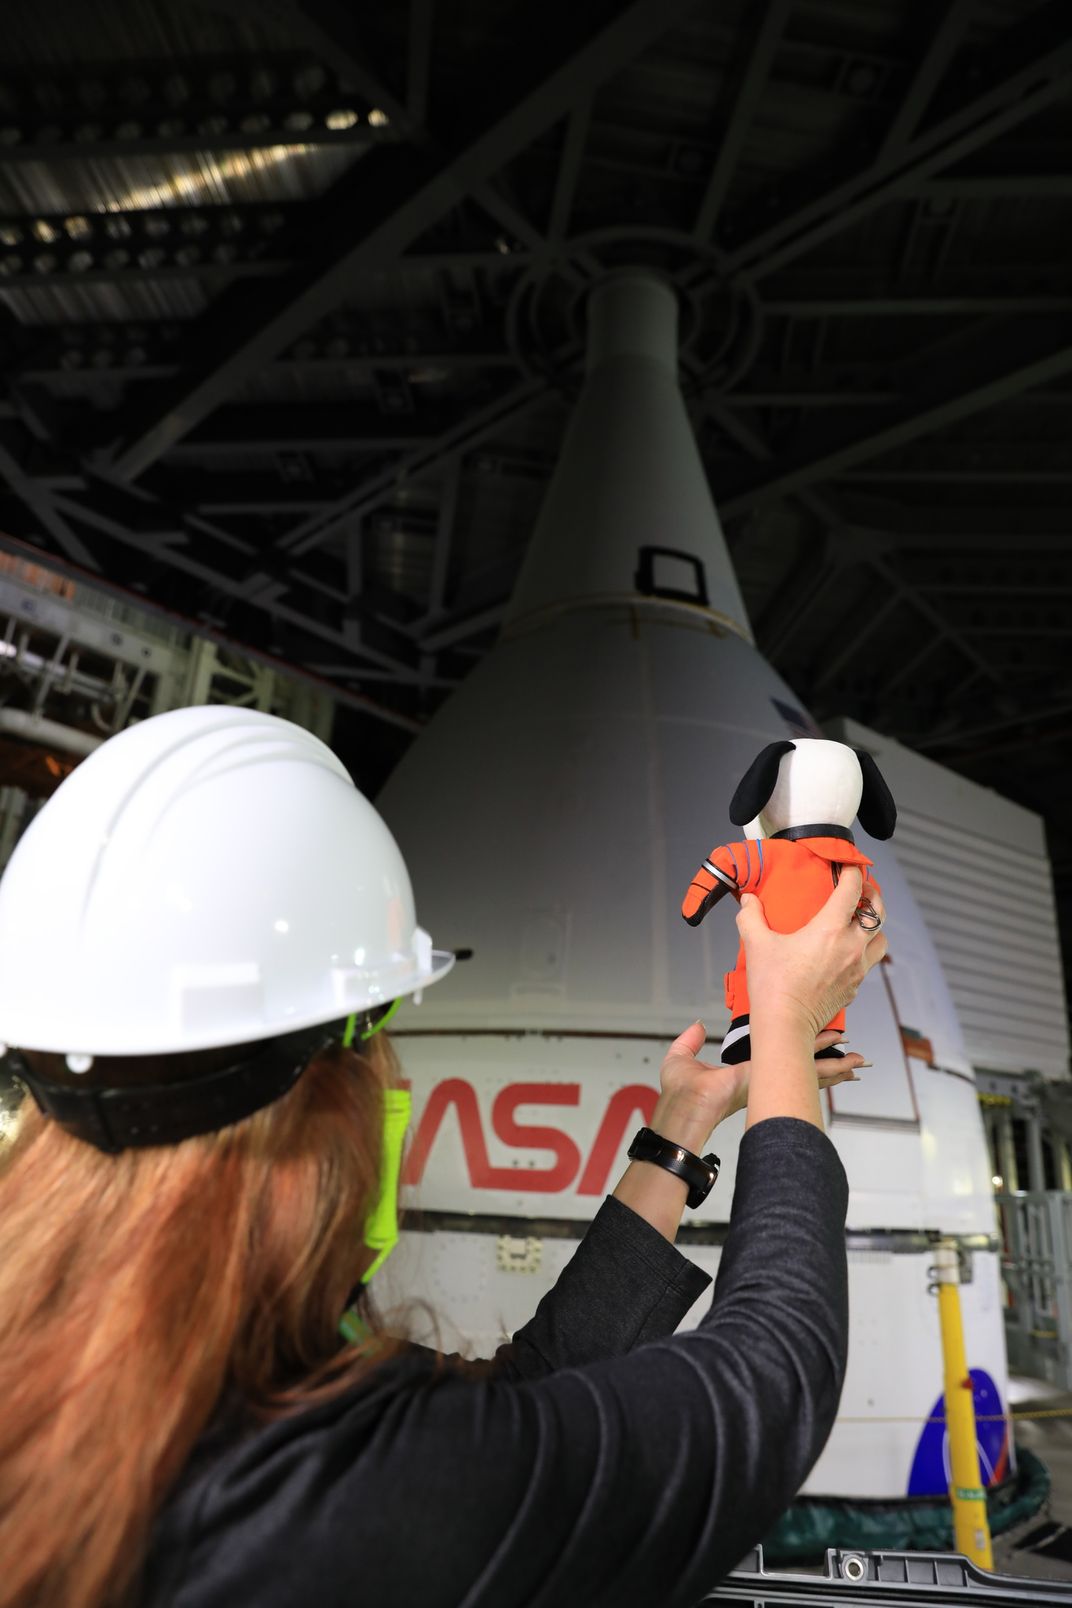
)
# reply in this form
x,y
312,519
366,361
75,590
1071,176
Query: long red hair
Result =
x,y
138,1290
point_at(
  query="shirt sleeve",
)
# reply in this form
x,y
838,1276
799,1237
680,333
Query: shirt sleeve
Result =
x,y
624,1285
644,1478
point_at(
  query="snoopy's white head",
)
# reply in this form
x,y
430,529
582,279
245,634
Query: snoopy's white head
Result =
x,y
812,782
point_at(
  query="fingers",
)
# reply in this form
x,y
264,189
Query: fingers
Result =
x,y
827,1082
844,1071
875,899
691,1042
750,917
876,950
840,908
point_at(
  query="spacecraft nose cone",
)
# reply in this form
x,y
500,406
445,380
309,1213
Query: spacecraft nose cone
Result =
x,y
628,510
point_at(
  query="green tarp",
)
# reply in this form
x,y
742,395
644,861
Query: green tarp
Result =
x,y
925,1524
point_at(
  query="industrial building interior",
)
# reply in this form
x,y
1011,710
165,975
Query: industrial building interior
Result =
x,y
292,318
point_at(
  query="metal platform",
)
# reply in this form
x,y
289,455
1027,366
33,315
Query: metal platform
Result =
x,y
861,1578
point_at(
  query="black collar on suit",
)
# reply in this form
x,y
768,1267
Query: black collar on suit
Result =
x,y
821,829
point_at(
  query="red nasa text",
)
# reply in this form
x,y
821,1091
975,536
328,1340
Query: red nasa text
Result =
x,y
625,1107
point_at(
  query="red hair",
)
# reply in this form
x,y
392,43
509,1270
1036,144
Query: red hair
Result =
x,y
138,1290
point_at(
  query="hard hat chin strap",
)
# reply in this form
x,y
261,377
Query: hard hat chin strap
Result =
x,y
167,1113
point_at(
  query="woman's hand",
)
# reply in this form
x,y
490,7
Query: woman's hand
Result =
x,y
802,979
697,1095
797,982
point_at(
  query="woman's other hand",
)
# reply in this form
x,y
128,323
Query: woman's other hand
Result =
x,y
697,1095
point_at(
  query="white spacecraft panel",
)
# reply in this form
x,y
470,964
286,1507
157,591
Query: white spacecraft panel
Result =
x,y
481,1287
894,1380
536,1125
979,869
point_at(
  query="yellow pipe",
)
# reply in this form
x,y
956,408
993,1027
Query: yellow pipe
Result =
x,y
971,1527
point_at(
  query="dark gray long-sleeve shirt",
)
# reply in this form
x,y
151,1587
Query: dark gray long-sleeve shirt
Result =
x,y
608,1461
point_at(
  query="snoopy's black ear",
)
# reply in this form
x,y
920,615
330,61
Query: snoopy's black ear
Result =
x,y
757,783
877,813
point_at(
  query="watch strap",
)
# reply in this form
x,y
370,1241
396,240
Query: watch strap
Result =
x,y
698,1172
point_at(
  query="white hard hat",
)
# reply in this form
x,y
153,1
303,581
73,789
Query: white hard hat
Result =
x,y
207,877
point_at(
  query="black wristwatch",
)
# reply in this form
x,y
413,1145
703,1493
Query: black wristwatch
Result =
x,y
699,1172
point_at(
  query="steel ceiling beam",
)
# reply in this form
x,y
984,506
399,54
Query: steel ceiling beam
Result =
x,y
449,633
940,623
448,512
942,44
93,353
747,77
138,521
61,277
569,168
309,426
373,489
997,187
852,640
1022,359
980,119
820,558
895,674
330,28
841,294
237,588
957,528
840,542
419,65
397,194
905,474
1016,724
813,575
39,504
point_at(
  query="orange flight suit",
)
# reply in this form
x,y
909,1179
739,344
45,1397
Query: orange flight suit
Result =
x,y
791,878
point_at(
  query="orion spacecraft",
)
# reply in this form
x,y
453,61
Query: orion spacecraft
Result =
x,y
575,775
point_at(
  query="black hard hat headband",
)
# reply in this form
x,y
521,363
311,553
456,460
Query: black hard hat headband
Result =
x,y
167,1113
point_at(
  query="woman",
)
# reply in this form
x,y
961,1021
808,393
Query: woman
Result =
x,y
189,931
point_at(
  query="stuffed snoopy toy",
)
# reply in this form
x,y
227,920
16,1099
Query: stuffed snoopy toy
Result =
x,y
796,802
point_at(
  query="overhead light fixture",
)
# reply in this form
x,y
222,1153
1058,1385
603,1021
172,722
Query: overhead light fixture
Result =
x,y
344,118
378,119
203,179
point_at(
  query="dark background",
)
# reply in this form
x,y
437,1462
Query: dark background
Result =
x,y
290,296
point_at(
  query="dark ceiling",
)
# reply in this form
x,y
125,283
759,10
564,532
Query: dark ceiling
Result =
x,y
289,298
